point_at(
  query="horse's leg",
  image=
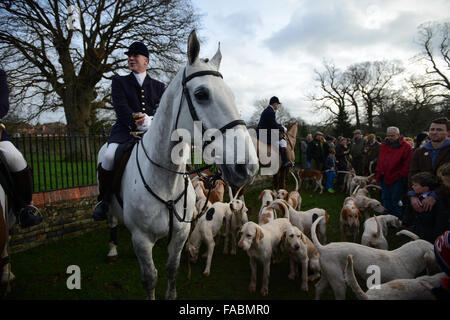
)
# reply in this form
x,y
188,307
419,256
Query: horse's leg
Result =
x,y
174,248
275,181
112,254
143,248
7,275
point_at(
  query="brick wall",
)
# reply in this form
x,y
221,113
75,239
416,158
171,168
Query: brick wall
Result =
x,y
67,214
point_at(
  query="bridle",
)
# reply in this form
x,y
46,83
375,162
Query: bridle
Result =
x,y
170,204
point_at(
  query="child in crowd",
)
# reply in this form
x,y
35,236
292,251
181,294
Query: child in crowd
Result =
x,y
330,169
431,224
442,254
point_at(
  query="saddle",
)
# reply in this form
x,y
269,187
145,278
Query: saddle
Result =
x,y
123,153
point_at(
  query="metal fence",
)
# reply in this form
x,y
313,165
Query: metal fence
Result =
x,y
61,161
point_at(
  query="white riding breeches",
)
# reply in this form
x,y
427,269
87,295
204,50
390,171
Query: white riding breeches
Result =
x,y
283,143
14,158
108,156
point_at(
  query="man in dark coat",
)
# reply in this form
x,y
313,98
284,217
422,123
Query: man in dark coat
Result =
x,y
268,121
316,152
22,187
135,98
429,158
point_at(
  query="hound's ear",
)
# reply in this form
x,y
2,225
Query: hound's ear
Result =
x,y
259,234
344,213
283,236
360,217
273,194
261,195
193,47
215,61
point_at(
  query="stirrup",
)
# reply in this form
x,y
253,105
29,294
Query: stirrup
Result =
x,y
33,216
99,213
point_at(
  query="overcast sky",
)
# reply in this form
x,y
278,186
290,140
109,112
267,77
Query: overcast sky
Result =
x,y
271,47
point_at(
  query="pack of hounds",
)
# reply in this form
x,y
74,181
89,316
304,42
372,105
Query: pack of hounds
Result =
x,y
284,229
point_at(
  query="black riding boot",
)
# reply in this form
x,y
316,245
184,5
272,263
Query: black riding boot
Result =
x,y
22,188
284,159
105,181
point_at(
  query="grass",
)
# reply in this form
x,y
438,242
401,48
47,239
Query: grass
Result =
x,y
41,271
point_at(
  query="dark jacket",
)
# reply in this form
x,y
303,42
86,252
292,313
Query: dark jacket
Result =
x,y
268,121
4,102
316,151
427,225
341,158
128,97
422,162
330,163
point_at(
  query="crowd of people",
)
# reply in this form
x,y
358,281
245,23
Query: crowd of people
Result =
x,y
414,174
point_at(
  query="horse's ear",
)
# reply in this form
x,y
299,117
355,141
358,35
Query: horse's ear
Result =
x,y
215,61
193,47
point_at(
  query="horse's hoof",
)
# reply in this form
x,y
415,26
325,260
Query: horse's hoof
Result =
x,y
206,273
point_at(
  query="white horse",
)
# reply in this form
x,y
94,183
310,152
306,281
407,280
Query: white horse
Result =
x,y
7,221
196,93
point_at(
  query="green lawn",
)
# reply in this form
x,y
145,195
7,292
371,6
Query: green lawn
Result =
x,y
41,271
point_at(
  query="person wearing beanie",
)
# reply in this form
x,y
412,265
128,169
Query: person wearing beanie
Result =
x,y
420,140
442,255
268,122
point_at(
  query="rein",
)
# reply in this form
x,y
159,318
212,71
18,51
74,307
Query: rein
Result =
x,y
170,204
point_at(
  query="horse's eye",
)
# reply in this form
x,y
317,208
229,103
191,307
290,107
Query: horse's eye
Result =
x,y
201,94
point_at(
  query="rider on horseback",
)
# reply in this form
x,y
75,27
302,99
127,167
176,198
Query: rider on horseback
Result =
x,y
268,121
21,183
135,98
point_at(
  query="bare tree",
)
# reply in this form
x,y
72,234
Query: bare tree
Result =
x,y
333,97
372,79
434,40
59,53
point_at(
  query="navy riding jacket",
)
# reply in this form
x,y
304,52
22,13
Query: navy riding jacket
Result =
x,y
128,97
268,121
4,102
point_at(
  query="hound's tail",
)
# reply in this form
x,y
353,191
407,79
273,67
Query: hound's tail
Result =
x,y
378,227
408,234
296,181
280,205
314,234
327,217
350,279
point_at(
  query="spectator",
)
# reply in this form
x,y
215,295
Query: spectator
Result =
x,y
443,174
421,139
392,170
304,148
371,152
430,224
442,255
356,151
316,152
330,170
429,158
410,141
342,152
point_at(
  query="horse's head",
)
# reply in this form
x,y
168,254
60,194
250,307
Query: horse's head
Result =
x,y
208,99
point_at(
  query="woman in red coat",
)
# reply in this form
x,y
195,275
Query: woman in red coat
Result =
x,y
392,170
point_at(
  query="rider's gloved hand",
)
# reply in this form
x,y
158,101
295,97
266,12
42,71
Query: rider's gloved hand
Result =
x,y
146,124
